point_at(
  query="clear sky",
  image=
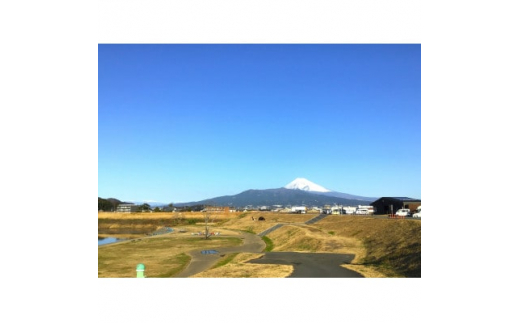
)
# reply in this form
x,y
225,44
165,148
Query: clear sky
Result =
x,y
186,122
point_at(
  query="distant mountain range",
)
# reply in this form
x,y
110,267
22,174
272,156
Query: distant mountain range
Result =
x,y
298,192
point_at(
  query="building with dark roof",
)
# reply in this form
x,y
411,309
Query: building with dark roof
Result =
x,y
127,207
388,205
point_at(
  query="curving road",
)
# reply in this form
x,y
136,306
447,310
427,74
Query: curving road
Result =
x,y
200,262
305,264
311,265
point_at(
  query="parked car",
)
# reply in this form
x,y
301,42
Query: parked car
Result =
x,y
418,213
403,212
362,211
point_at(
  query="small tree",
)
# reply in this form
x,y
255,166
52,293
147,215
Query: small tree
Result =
x,y
144,207
207,218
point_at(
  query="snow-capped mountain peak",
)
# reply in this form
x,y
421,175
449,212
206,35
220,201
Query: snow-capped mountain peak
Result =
x,y
305,185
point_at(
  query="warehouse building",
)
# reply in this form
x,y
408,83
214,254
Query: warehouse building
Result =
x,y
388,205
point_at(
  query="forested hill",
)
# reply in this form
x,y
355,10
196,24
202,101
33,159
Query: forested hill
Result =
x,y
108,205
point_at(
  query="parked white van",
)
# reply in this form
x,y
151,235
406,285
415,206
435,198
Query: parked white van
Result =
x,y
362,211
418,213
369,208
403,212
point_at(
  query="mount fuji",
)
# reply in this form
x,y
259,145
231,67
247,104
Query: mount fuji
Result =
x,y
306,185
298,192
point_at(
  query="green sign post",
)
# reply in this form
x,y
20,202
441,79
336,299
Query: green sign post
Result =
x,y
140,271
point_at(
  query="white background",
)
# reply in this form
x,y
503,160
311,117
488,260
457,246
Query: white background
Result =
x,y
49,169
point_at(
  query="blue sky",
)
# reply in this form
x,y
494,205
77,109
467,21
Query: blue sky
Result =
x,y
181,122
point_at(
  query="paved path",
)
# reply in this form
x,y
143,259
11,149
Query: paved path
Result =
x,y
200,262
311,265
279,225
305,264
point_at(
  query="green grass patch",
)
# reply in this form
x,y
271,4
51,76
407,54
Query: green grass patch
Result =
x,y
331,233
180,261
269,245
162,256
225,261
307,244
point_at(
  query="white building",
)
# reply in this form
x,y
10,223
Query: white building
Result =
x,y
298,209
339,209
370,208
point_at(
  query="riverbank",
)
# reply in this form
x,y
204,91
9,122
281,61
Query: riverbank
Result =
x,y
382,247
164,255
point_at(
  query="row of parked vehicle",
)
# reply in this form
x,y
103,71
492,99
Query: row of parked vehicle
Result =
x,y
406,212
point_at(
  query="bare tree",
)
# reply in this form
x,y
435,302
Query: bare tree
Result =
x,y
210,215
206,220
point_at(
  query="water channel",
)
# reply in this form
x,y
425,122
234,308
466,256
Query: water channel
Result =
x,y
107,240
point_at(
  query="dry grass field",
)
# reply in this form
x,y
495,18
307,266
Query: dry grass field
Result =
x,y
245,223
383,247
238,268
164,255
132,225
392,246
165,215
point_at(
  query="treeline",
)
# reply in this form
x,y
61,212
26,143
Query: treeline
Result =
x,y
110,205
194,208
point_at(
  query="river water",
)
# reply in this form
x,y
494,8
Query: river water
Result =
x,y
107,240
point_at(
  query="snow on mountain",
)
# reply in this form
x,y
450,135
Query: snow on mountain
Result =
x,y
305,185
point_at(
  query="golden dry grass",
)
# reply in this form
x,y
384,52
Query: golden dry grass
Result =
x,y
367,272
271,219
163,255
382,247
238,268
166,215
306,238
130,225
302,238
392,246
